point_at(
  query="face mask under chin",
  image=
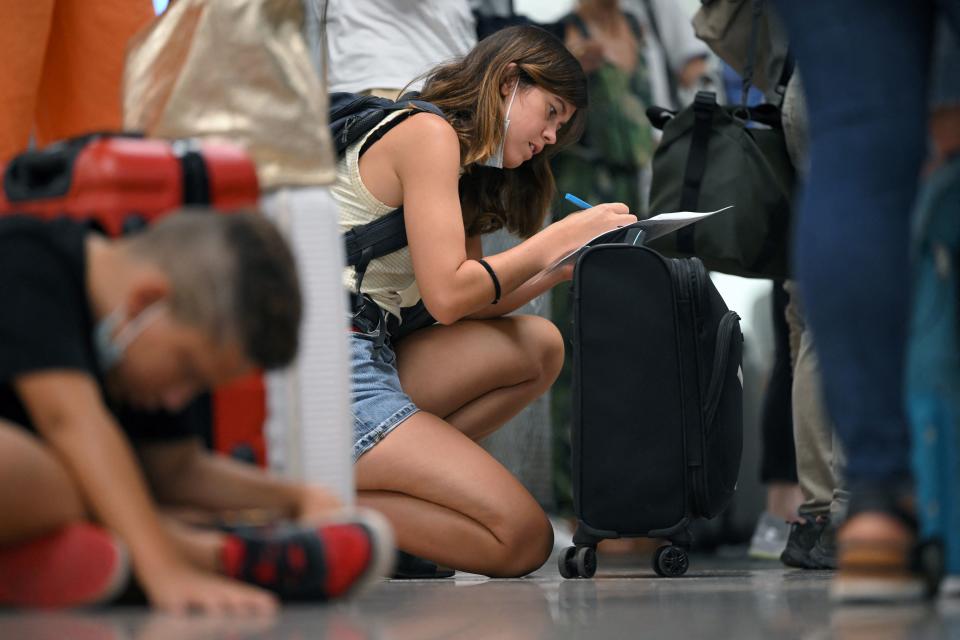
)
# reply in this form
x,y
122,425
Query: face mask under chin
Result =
x,y
496,160
110,348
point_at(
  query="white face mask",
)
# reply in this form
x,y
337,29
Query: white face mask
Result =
x,y
496,160
110,349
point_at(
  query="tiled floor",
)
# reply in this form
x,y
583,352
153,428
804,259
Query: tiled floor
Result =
x,y
718,599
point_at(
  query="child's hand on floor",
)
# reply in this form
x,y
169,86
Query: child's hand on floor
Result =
x,y
183,589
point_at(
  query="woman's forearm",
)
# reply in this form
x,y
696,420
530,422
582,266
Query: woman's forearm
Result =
x,y
523,294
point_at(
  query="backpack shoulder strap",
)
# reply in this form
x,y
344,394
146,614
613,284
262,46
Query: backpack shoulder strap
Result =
x,y
352,116
411,106
377,238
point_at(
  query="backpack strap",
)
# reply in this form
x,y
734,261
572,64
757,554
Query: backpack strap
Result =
x,y
351,118
667,69
378,133
756,13
374,239
703,108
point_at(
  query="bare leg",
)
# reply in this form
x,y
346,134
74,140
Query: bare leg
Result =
x,y
783,500
476,375
436,486
29,468
428,477
37,494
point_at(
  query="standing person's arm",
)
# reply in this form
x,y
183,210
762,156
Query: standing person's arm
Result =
x,y
67,410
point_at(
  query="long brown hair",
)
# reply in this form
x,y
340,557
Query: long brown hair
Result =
x,y
468,91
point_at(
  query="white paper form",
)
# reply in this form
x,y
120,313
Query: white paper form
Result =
x,y
655,227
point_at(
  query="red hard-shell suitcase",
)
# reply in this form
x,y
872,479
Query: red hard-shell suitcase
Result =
x,y
122,182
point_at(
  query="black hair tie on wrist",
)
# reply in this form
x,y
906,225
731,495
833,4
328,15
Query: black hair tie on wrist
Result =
x,y
493,276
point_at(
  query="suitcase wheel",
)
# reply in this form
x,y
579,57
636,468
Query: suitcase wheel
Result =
x,y
577,562
670,561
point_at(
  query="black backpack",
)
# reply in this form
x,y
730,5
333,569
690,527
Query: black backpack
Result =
x,y
351,118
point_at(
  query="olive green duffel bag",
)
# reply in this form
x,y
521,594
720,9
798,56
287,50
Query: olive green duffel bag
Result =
x,y
712,156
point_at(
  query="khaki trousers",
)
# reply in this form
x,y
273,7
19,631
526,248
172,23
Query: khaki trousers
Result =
x,y
820,460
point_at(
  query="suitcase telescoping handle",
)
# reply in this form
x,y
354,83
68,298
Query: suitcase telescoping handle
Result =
x,y
635,237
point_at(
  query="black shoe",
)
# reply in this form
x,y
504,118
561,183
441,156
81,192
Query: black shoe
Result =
x,y
803,536
824,552
410,567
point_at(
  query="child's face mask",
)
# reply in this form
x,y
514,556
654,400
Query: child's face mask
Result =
x,y
110,349
496,160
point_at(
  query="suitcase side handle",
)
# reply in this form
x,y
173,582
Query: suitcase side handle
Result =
x,y
48,172
40,174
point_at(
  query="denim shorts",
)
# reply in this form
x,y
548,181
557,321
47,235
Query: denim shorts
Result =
x,y
378,403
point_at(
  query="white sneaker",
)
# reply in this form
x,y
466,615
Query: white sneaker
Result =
x,y
950,586
769,538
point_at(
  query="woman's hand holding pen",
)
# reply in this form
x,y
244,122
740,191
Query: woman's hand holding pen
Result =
x,y
582,226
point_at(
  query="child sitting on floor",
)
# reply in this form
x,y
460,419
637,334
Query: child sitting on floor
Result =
x,y
103,346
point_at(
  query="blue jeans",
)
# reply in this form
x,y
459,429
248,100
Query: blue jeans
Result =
x,y
378,403
865,66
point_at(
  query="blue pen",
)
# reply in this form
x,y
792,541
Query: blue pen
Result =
x,y
577,201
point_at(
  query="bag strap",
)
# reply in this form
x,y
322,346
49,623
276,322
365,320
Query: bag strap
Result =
x,y
655,30
412,106
193,170
704,106
373,240
789,63
756,14
380,237
351,116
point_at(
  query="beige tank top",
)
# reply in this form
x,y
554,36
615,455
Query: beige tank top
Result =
x,y
388,279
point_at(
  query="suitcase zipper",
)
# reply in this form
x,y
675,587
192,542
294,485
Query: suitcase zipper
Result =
x,y
718,376
688,286
714,391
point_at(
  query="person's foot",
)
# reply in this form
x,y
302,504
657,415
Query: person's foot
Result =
x,y
803,536
411,567
950,587
769,538
823,555
876,560
322,563
78,565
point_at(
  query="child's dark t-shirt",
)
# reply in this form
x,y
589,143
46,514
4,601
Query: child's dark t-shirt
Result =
x,y
46,322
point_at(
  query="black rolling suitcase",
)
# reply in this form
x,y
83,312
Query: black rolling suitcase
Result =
x,y
657,401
